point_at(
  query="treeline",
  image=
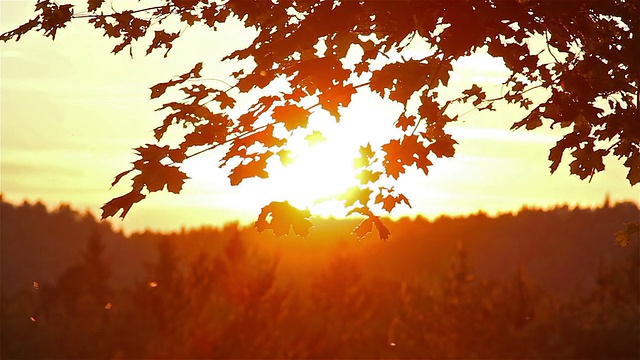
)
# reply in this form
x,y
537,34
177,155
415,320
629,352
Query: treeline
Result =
x,y
440,289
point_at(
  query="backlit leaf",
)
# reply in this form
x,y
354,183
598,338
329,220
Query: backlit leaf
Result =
x,y
291,116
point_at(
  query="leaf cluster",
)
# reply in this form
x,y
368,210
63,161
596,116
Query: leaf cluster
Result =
x,y
326,51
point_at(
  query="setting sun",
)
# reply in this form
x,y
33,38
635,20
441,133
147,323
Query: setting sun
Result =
x,y
319,168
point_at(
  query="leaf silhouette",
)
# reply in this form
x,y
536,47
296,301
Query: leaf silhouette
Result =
x,y
366,226
93,5
443,146
252,168
225,100
363,46
633,163
285,157
162,39
159,89
53,17
390,201
280,217
400,155
123,203
404,122
156,176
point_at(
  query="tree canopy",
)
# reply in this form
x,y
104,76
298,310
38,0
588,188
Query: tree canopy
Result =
x,y
314,55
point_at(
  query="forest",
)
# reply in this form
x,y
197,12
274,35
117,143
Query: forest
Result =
x,y
538,283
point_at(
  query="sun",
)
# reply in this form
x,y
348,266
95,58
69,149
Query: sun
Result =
x,y
322,155
319,168
315,168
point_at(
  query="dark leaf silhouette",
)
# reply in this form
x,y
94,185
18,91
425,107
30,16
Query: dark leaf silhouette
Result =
x,y
159,89
326,51
93,5
123,203
281,217
162,39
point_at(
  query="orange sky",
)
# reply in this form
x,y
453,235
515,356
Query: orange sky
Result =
x,y
71,113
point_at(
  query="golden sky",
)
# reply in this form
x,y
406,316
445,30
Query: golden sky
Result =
x,y
71,113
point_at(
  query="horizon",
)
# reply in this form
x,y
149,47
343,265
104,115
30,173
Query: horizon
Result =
x,y
113,223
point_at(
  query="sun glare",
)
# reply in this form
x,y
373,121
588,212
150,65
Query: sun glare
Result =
x,y
320,170
321,166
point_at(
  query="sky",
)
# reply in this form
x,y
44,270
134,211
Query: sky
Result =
x,y
71,113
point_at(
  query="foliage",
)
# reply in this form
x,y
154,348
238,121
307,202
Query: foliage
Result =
x,y
321,53
228,299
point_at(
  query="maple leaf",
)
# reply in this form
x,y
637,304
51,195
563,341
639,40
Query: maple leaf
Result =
x,y
429,109
530,122
225,100
403,154
555,154
393,160
383,79
361,67
355,193
633,163
334,97
476,91
587,161
297,94
280,217
123,203
155,176
404,122
383,231
291,116
162,38
366,151
407,85
315,138
368,176
443,146
159,89
255,167
151,153
94,4
365,227
53,16
285,157
366,154
389,201
206,134
189,17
